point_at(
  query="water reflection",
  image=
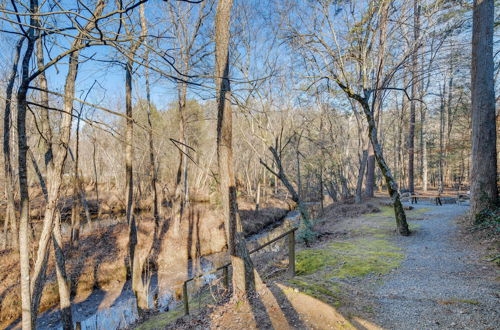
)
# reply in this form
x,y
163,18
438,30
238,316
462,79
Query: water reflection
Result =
x,y
97,312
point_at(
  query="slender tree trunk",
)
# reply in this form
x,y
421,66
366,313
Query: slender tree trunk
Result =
x,y
129,176
76,206
370,172
441,140
243,271
484,190
359,184
299,177
392,186
424,166
24,232
257,199
136,259
152,163
96,182
423,149
10,215
377,98
62,278
414,89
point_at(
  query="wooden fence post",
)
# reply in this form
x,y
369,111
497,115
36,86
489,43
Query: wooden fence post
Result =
x,y
225,280
185,298
291,253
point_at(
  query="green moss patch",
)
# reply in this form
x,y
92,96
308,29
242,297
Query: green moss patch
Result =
x,y
383,229
311,260
354,258
161,320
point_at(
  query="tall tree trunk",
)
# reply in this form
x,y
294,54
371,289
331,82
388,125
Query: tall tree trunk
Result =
x,y
424,166
414,89
441,139
299,176
484,190
64,291
129,176
423,149
136,259
10,215
96,177
76,206
377,97
243,271
152,163
24,232
181,184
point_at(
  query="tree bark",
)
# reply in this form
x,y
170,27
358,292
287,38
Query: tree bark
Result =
x,y
359,184
136,260
24,232
441,139
484,189
76,206
414,89
243,271
10,215
152,163
62,278
370,172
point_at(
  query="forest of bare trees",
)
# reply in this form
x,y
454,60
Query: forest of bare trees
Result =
x,y
139,136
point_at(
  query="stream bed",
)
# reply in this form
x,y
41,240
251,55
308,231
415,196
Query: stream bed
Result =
x,y
117,309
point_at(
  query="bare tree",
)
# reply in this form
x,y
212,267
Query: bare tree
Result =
x,y
243,271
10,214
31,286
190,54
312,43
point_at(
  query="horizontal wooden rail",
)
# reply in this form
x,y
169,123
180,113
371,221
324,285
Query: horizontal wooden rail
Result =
x,y
291,264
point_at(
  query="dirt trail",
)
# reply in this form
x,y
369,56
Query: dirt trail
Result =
x,y
442,283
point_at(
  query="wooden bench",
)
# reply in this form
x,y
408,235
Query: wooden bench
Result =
x,y
414,198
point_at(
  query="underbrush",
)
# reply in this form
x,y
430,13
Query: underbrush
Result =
x,y
488,220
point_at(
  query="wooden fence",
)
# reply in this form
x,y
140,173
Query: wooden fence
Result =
x,y
225,268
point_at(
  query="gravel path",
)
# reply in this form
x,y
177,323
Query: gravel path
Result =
x,y
442,284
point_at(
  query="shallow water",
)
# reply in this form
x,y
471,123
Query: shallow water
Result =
x,y
115,309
